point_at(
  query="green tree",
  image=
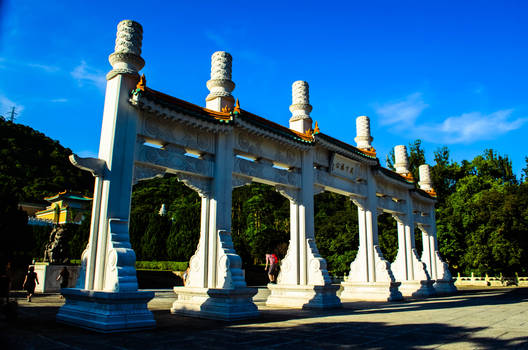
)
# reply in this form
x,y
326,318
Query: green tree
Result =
x,y
185,230
267,221
154,241
336,231
36,165
388,236
476,229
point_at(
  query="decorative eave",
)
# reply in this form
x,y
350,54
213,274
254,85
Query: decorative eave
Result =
x,y
261,126
371,152
174,108
344,149
424,195
67,195
393,177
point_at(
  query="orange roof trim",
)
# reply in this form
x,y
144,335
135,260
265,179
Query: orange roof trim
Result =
x,y
224,116
368,151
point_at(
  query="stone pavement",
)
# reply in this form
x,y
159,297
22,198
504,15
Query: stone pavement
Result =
x,y
472,319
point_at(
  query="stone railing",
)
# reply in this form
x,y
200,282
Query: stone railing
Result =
x,y
488,281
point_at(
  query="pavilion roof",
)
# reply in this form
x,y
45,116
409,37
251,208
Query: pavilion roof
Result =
x,y
67,195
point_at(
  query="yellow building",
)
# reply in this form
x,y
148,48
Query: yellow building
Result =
x,y
66,207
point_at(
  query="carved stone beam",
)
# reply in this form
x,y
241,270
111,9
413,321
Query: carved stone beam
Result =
x,y
197,183
146,172
318,189
94,165
291,193
399,218
239,181
360,202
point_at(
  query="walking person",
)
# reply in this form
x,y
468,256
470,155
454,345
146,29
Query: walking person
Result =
x,y
29,282
64,276
272,266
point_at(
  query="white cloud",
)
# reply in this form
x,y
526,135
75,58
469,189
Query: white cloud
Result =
x,y
59,100
87,154
469,127
44,67
216,39
6,106
402,113
84,73
14,64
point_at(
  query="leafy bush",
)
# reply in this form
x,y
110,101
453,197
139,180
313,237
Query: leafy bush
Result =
x,y
162,265
152,265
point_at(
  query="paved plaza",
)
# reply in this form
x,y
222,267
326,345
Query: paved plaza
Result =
x,y
472,319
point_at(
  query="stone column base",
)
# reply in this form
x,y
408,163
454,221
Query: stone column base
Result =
x,y
306,297
106,312
216,304
443,287
417,289
372,291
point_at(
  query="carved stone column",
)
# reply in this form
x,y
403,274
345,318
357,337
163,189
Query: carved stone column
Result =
x,y
439,270
113,302
370,276
303,280
363,138
427,252
407,267
300,107
401,162
444,281
220,85
216,287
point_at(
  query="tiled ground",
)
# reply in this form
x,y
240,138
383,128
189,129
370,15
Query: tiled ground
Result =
x,y
472,319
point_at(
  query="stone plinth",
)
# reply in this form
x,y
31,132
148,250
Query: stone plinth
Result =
x,y
411,272
106,312
371,291
47,275
217,304
444,287
417,289
306,297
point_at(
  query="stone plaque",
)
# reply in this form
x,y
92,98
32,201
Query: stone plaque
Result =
x,y
344,167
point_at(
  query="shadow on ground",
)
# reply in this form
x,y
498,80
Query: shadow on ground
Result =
x,y
36,328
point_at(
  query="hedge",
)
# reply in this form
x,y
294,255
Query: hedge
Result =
x,y
162,265
153,265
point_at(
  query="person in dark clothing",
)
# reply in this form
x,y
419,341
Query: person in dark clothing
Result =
x,y
29,282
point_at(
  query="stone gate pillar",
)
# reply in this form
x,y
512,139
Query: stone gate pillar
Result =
x,y
216,287
109,300
407,267
370,276
303,280
438,268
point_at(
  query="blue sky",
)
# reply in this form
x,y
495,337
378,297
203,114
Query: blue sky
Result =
x,y
449,73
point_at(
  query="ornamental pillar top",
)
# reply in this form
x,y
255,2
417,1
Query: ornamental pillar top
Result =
x,y
126,58
300,107
220,85
426,183
363,138
401,160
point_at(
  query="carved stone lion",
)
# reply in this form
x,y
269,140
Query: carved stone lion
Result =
x,y
55,250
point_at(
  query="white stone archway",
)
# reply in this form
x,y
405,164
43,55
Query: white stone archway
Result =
x,y
212,150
